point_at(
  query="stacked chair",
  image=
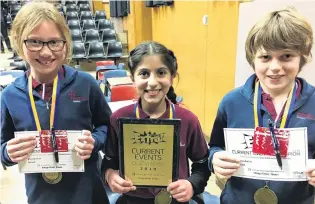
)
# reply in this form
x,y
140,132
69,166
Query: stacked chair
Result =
x,y
118,92
93,36
123,92
102,66
19,65
108,69
12,74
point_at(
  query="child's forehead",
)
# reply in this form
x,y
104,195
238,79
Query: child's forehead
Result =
x,y
152,61
280,51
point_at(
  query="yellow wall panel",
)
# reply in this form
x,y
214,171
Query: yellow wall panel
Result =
x,y
221,55
180,28
106,9
97,5
143,22
129,25
138,24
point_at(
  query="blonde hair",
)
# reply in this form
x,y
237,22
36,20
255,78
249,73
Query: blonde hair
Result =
x,y
283,29
30,16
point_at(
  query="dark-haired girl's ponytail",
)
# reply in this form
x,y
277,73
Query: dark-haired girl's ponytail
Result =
x,y
171,95
171,53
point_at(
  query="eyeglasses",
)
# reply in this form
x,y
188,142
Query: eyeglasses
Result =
x,y
37,45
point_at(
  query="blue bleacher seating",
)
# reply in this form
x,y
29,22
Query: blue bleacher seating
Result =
x,y
100,15
96,50
114,50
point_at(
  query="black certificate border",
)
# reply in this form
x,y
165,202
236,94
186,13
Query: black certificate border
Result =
x,y
152,121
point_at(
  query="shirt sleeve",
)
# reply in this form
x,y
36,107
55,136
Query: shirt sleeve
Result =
x,y
100,116
7,132
217,142
111,157
198,154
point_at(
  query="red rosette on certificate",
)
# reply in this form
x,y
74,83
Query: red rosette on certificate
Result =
x,y
46,141
262,142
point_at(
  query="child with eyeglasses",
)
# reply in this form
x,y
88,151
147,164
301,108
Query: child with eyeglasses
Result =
x,y
42,38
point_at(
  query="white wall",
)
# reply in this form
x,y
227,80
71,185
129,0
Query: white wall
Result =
x,y
248,16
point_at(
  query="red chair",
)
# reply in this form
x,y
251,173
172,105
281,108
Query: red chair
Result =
x,y
104,63
102,66
123,93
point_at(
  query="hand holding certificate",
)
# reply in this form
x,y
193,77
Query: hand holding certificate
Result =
x,y
224,164
239,143
84,145
19,148
310,172
42,158
117,183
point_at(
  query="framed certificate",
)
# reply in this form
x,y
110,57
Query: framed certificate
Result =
x,y
149,151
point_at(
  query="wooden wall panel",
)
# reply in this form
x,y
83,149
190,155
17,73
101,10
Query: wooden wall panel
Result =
x,y
106,9
97,5
221,55
180,28
138,24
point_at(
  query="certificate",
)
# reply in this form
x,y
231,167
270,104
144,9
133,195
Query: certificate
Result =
x,y
238,142
119,104
149,151
42,160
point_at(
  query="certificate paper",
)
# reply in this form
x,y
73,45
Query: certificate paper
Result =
x,y
238,142
42,159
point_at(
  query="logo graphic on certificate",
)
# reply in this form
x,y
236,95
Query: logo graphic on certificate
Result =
x,y
239,143
149,151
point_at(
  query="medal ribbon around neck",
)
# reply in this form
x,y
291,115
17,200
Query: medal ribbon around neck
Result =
x,y
55,96
287,111
172,110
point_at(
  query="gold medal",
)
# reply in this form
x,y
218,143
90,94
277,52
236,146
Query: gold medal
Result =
x,y
52,178
265,196
163,197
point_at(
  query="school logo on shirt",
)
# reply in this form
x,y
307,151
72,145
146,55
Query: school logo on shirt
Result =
x,y
148,138
75,98
304,116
